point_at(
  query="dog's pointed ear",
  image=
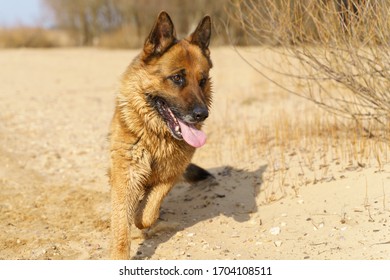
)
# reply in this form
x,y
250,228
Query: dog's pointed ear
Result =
x,y
202,34
161,37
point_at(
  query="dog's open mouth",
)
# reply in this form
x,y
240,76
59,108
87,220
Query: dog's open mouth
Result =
x,y
179,129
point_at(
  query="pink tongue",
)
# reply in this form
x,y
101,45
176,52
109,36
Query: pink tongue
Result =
x,y
191,135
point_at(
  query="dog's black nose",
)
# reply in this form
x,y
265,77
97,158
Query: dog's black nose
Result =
x,y
200,113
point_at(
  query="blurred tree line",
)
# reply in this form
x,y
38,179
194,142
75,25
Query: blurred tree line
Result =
x,y
126,23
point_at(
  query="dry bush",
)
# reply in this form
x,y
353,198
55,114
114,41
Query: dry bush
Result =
x,y
339,49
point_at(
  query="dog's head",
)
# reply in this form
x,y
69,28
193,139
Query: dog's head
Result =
x,y
179,89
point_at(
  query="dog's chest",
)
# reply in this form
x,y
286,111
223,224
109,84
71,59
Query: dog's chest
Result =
x,y
169,159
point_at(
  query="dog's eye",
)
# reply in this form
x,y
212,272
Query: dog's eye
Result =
x,y
178,79
202,82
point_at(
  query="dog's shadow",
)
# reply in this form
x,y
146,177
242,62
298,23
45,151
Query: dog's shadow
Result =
x,y
231,193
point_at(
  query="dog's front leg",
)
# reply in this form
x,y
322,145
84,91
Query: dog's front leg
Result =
x,y
122,204
149,209
127,186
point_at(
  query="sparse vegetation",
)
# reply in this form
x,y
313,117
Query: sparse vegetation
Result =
x,y
29,37
339,49
300,151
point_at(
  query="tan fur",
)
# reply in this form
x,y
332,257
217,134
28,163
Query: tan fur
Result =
x,y
146,160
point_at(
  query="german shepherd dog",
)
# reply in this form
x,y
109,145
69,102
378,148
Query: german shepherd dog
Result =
x,y
164,97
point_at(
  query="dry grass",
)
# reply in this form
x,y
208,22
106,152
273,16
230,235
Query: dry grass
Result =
x,y
33,37
300,152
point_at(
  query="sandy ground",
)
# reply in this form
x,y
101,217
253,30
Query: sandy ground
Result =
x,y
269,203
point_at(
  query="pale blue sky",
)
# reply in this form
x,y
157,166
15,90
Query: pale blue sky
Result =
x,y
21,12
